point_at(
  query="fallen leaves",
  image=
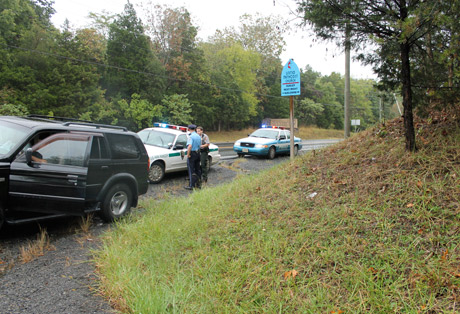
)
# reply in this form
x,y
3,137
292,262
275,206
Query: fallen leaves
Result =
x,y
291,274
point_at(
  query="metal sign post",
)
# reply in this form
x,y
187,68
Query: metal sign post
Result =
x,y
290,86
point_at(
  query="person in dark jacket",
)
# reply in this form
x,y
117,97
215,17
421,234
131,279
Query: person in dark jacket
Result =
x,y
204,150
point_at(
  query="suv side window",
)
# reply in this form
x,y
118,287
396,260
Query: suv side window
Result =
x,y
123,146
61,149
99,148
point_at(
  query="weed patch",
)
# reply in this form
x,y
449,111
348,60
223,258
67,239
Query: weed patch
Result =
x,y
36,248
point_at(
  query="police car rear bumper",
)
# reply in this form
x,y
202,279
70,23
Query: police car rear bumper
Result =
x,y
251,150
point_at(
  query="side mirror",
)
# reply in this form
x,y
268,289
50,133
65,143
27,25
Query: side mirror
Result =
x,y
179,146
29,155
282,137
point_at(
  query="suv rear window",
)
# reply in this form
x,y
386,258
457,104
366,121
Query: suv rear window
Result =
x,y
123,147
11,135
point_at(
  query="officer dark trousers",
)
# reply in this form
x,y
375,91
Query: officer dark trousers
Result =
x,y
194,169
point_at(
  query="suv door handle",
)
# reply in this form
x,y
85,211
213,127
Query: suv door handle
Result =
x,y
72,178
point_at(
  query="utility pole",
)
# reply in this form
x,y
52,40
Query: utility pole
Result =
x,y
346,110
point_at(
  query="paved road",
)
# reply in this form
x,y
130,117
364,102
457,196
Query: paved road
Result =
x,y
226,148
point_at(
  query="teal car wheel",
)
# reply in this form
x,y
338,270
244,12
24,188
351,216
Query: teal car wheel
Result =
x,y
271,152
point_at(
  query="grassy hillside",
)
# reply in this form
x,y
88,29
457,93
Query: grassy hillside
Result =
x,y
359,227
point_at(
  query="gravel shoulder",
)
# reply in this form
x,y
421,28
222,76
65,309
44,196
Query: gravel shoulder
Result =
x,y
63,279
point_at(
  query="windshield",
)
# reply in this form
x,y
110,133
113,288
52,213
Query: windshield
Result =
x,y
157,138
11,135
265,133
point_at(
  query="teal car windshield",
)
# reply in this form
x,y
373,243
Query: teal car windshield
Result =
x,y
157,138
11,135
265,133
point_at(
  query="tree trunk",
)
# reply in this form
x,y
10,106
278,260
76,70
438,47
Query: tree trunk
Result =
x,y
407,98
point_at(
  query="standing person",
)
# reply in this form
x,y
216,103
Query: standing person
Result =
x,y
193,158
204,150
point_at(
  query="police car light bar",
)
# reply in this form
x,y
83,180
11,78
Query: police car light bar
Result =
x,y
170,126
272,127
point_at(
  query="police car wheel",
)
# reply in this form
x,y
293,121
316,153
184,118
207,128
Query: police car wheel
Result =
x,y
156,172
296,150
271,153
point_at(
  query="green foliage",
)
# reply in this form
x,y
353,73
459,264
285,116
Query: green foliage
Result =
x,y
113,72
133,68
176,109
309,112
232,66
13,110
138,113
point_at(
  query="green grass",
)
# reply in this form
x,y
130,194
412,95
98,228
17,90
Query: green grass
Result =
x,y
306,133
380,236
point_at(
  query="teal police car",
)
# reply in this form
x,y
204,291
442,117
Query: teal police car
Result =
x,y
166,145
267,141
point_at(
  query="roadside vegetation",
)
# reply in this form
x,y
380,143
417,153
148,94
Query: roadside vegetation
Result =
x,y
360,227
305,133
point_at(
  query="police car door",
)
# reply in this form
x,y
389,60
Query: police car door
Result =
x,y
284,141
178,155
54,180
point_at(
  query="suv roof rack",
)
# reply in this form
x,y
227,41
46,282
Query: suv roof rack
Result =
x,y
97,126
72,121
44,117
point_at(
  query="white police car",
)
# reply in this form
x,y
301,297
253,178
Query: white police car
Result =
x,y
267,141
166,145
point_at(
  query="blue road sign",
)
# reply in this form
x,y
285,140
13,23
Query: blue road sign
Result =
x,y
290,79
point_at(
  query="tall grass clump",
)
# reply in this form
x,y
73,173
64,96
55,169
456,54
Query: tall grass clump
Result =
x,y
359,227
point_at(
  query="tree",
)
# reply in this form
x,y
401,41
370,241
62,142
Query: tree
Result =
x,y
132,66
232,70
138,113
176,109
264,36
400,23
309,112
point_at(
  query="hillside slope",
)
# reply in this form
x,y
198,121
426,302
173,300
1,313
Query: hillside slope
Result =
x,y
360,227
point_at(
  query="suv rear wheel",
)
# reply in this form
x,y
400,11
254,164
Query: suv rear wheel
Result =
x,y
117,202
2,218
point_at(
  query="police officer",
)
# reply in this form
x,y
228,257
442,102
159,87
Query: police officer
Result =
x,y
204,150
193,158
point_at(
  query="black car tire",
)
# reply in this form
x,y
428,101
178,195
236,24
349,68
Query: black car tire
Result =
x,y
2,218
156,172
271,152
117,202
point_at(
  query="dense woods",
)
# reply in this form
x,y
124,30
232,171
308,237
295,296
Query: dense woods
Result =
x,y
130,71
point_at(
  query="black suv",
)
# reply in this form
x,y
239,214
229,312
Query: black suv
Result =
x,y
51,167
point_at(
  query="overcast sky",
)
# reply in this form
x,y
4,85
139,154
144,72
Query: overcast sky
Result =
x,y
210,15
